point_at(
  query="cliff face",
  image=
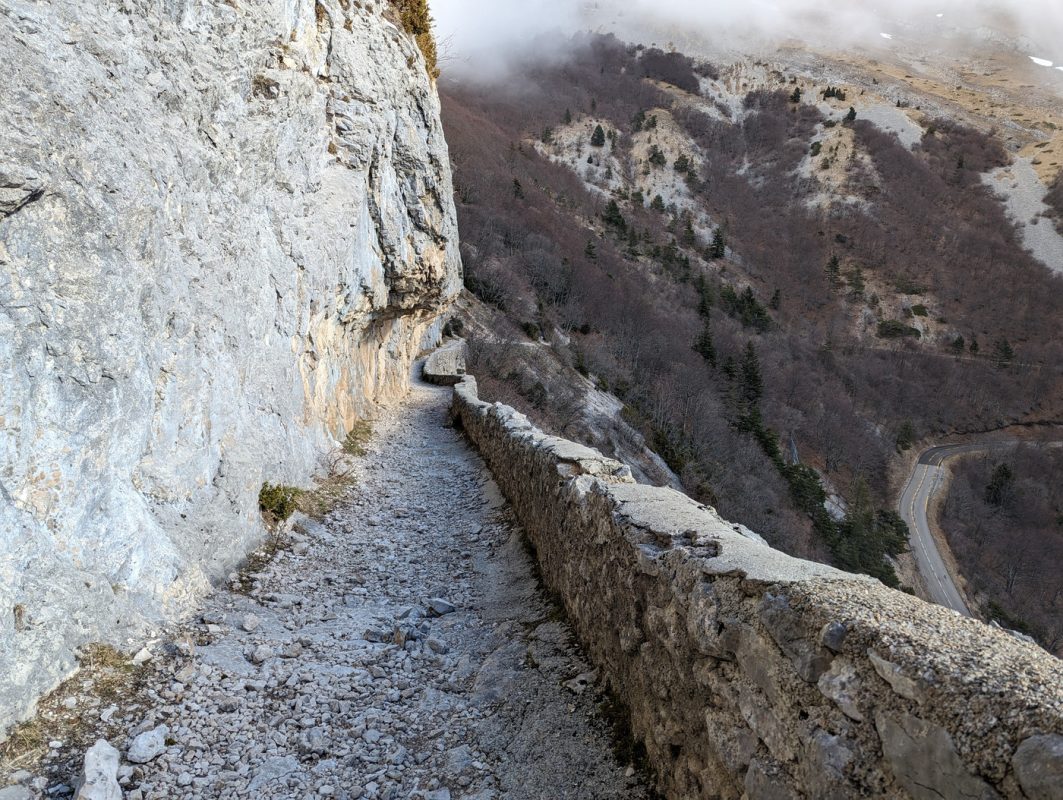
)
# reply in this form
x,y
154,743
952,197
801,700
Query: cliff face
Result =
x,y
225,230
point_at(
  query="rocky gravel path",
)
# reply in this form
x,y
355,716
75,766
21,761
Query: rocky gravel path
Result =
x,y
402,648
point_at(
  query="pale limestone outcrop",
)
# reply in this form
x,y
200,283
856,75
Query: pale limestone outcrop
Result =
x,y
751,674
226,229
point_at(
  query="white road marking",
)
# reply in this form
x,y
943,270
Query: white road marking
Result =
x,y
935,572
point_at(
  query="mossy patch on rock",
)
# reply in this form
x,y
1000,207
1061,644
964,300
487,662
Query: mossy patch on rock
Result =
x,y
279,501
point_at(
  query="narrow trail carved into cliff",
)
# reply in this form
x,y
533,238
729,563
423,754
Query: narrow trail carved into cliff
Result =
x,y
402,649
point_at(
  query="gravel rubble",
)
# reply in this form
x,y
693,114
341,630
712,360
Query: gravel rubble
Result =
x,y
403,648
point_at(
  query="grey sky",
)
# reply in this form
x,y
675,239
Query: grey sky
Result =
x,y
488,33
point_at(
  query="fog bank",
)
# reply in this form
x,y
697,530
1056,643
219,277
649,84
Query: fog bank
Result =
x,y
482,38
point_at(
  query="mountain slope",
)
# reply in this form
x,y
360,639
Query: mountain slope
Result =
x,y
742,260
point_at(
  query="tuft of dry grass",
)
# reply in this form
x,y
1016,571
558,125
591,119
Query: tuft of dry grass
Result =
x,y
261,558
106,674
278,503
111,671
27,742
328,494
358,438
331,491
103,656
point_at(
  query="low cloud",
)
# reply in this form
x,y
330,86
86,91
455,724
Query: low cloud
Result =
x,y
481,38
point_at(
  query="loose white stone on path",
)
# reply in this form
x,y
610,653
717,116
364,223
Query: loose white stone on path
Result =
x,y
100,778
440,606
148,746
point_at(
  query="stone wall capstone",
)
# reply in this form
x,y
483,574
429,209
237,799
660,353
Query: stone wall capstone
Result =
x,y
445,366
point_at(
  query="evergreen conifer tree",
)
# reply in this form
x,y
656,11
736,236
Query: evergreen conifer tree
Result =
x,y
729,368
905,436
834,273
704,345
719,244
998,492
689,236
752,382
613,217
856,280
1003,354
706,299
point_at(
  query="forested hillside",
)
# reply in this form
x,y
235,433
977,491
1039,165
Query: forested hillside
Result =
x,y
1004,518
1054,200
783,295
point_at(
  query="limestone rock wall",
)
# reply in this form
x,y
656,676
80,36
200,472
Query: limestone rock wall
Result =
x,y
226,228
751,674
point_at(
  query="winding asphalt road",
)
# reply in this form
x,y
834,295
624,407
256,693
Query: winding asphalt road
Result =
x,y
926,478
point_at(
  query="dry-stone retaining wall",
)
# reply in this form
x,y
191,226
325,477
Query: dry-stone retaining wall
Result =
x,y
445,366
750,673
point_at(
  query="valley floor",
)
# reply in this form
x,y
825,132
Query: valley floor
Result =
x,y
403,648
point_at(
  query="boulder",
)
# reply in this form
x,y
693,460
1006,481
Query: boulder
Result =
x,y
924,761
99,779
148,745
1038,765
